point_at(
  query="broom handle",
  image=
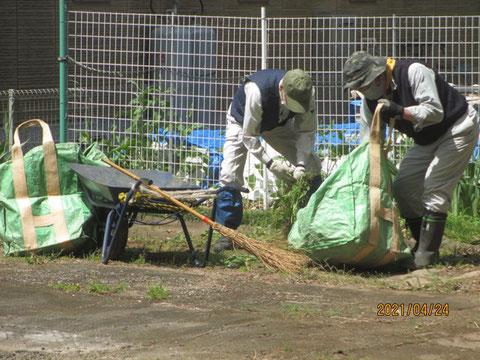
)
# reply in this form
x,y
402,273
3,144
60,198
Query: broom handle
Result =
x,y
163,193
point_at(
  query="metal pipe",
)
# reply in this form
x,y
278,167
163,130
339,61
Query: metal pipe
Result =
x,y
11,116
264,66
63,73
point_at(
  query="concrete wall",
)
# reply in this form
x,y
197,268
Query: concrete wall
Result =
x,y
29,39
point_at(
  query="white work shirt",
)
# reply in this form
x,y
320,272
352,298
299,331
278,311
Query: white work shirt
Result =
x,y
305,125
429,110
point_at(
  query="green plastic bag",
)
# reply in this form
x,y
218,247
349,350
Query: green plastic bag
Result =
x,y
352,218
42,205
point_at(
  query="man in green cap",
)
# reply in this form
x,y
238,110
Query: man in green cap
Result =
x,y
443,126
279,106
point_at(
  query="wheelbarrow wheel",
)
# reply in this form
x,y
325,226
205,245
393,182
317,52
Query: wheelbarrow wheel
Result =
x,y
113,247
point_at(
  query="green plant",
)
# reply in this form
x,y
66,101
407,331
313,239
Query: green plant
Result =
x,y
290,199
298,310
154,136
99,288
240,261
463,228
156,292
140,260
68,287
145,113
5,143
466,197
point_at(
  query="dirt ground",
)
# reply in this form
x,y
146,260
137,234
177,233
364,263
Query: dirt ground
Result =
x,y
221,313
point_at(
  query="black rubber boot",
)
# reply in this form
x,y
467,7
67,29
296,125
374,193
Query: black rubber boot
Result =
x,y
415,225
433,226
223,244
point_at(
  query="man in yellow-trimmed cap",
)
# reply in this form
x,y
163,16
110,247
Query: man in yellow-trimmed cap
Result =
x,y
443,126
279,106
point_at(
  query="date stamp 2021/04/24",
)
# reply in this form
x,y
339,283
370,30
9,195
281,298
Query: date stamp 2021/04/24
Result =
x,y
413,309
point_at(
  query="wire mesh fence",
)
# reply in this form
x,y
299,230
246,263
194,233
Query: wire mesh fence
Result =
x,y
153,90
17,106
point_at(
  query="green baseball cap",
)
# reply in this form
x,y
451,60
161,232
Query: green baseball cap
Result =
x,y
297,86
361,69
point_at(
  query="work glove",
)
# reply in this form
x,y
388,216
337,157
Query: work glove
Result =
x,y
281,171
390,110
299,172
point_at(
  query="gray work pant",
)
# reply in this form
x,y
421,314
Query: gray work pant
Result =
x,y
428,174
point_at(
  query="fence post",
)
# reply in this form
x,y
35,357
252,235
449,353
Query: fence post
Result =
x,y
394,55
11,115
264,66
62,28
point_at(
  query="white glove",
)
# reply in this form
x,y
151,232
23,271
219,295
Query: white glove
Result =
x,y
282,171
299,172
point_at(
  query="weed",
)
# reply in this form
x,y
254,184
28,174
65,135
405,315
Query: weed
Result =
x,y
99,288
157,292
290,199
240,261
93,255
298,311
466,197
68,287
140,260
463,228
5,143
287,346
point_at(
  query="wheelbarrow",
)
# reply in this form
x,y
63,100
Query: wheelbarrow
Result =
x,y
117,200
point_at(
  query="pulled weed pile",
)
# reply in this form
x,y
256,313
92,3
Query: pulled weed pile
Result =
x,y
291,198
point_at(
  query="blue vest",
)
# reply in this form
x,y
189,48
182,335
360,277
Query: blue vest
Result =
x,y
454,104
267,81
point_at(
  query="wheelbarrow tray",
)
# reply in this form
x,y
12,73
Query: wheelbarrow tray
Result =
x,y
106,183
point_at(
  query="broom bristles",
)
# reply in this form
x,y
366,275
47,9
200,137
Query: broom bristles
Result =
x,y
272,257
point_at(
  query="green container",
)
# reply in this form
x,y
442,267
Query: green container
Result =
x,y
42,205
352,218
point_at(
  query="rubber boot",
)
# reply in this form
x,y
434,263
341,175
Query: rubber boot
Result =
x,y
229,213
222,244
433,226
415,225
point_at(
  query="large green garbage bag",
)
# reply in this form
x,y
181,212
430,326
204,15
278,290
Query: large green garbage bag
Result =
x,y
42,205
352,218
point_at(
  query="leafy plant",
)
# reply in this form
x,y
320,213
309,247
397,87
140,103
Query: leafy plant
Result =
x,y
290,199
156,292
463,228
68,287
240,261
298,310
466,197
5,144
153,134
99,288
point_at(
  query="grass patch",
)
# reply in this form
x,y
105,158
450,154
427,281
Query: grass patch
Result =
x,y
299,311
95,287
67,287
243,262
141,259
157,292
463,228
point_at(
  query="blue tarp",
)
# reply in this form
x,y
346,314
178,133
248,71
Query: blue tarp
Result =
x,y
347,134
211,140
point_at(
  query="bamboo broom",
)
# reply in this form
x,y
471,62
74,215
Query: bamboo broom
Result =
x,y
272,257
